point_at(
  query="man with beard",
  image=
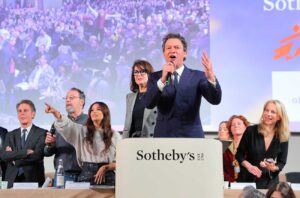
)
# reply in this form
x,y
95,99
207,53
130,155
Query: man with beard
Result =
x,y
56,144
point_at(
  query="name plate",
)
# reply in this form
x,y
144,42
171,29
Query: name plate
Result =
x,y
295,186
169,167
77,185
25,185
240,185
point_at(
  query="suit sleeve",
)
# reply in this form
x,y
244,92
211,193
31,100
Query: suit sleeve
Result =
x,y
153,93
211,93
241,153
9,156
70,131
282,156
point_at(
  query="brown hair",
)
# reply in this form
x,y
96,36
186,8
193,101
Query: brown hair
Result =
x,y
28,102
229,123
141,64
105,124
283,188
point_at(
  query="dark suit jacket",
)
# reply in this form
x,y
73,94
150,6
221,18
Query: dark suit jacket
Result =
x,y
178,108
3,133
33,165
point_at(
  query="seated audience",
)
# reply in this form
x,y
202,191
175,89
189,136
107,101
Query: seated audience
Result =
x,y
95,143
237,125
280,190
23,148
262,152
223,133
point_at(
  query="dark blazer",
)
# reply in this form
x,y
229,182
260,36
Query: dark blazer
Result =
x,y
178,108
3,133
33,165
149,118
252,148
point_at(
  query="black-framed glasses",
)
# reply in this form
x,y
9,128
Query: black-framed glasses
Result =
x,y
141,72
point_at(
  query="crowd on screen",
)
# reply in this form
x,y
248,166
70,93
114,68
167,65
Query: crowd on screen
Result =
x,y
90,44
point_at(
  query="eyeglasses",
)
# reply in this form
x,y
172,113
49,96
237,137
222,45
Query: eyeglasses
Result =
x,y
141,72
71,97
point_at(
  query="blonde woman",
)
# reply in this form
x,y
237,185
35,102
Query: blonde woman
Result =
x,y
263,149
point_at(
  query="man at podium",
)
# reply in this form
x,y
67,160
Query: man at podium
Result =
x,y
177,91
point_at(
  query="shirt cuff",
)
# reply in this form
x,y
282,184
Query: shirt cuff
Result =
x,y
160,85
214,83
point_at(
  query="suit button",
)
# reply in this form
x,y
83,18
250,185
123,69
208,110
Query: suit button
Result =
x,y
153,123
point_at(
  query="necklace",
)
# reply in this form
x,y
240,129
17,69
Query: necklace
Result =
x,y
140,95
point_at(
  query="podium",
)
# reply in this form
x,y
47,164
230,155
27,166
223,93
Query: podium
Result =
x,y
169,167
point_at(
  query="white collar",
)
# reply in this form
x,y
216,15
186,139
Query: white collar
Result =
x,y
180,70
28,129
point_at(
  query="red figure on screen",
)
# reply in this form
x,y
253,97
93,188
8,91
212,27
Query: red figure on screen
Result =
x,y
285,50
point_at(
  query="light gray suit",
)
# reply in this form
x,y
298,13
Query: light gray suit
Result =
x,y
149,120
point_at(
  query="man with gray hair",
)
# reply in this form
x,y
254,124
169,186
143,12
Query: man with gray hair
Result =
x,y
56,144
23,148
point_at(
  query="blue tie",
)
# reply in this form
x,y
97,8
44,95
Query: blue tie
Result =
x,y
175,79
23,140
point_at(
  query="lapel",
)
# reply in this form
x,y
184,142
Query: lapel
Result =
x,y
183,81
132,101
18,139
29,136
184,77
146,115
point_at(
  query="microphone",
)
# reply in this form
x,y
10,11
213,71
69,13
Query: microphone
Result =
x,y
52,130
169,73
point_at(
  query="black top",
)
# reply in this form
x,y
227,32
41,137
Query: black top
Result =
x,y
252,149
65,151
137,116
3,133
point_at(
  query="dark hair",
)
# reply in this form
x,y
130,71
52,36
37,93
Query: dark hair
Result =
x,y
141,64
105,124
81,94
283,188
174,36
29,102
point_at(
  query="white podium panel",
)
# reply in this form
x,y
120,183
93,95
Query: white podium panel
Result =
x,y
169,167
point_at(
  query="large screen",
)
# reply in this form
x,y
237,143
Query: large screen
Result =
x,y
90,45
255,47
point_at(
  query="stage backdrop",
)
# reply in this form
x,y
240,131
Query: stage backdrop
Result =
x,y
90,45
255,49
253,46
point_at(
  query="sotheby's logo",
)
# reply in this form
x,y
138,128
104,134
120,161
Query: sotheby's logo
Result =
x,y
172,155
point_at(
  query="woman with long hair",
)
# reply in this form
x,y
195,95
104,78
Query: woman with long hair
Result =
x,y
263,150
95,143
